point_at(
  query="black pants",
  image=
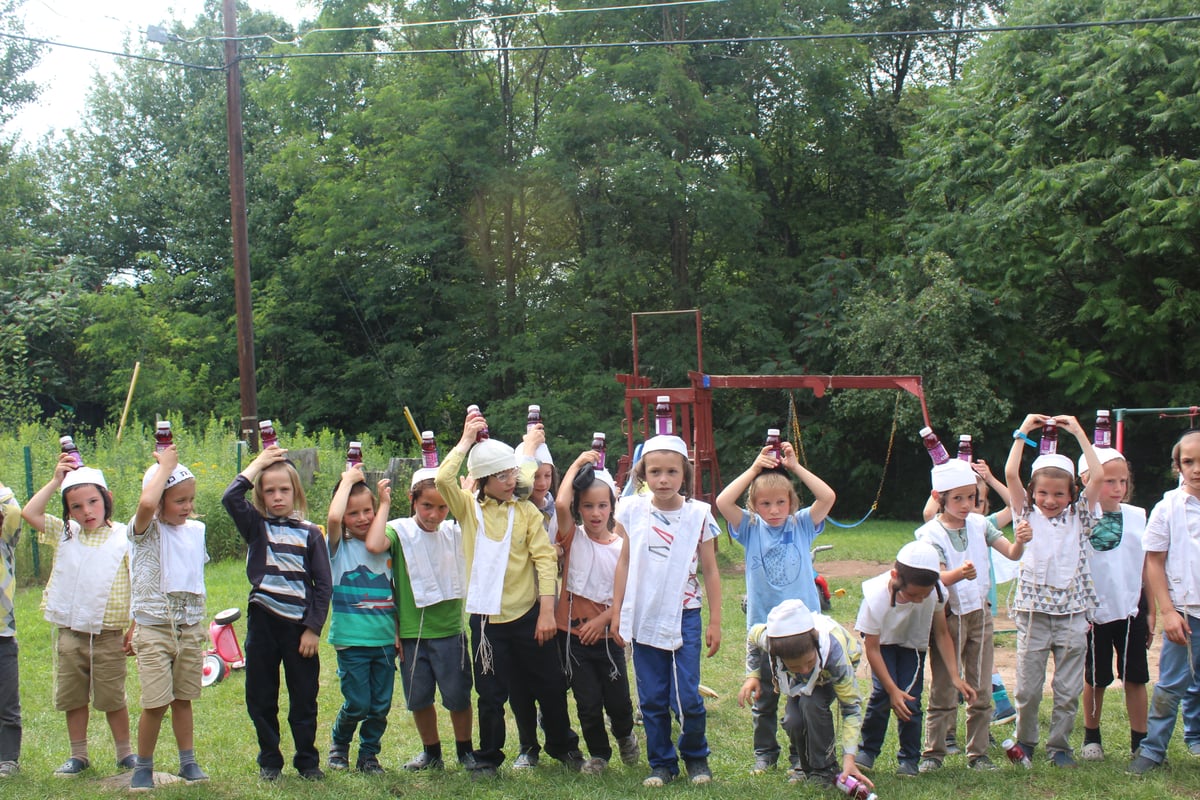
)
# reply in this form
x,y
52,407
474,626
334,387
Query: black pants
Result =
x,y
518,658
599,679
270,642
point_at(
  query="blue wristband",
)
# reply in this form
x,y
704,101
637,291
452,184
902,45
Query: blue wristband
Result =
x,y
1019,434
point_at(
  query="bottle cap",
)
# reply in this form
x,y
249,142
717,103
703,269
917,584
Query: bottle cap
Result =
x,y
266,423
163,424
664,398
534,409
772,431
925,431
966,437
1103,412
598,435
356,444
426,434
65,440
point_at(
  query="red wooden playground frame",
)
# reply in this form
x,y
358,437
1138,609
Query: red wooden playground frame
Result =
x,y
693,404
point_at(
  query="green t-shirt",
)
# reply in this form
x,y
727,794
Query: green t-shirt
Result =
x,y
432,622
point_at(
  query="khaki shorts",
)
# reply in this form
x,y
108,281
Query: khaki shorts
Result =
x,y
90,667
169,662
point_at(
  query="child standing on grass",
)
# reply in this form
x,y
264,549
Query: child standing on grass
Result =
x,y
1123,622
168,609
962,539
510,597
811,659
778,536
362,627
595,665
665,535
902,613
87,600
1054,592
1172,544
290,587
10,694
427,566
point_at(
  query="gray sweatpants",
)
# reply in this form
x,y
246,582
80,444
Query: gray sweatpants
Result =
x,y
1038,637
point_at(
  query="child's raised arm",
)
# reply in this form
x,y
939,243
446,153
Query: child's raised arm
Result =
x,y
1072,426
566,495
823,495
731,495
337,506
377,539
34,511
1012,467
152,492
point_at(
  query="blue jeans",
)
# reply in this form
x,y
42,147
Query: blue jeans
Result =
x,y
1175,676
368,677
907,668
669,683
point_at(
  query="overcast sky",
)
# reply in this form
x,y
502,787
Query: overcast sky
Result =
x,y
65,74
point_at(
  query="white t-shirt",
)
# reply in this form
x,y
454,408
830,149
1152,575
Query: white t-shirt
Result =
x,y
904,624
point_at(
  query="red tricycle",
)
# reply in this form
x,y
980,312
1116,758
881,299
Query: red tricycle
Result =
x,y
226,652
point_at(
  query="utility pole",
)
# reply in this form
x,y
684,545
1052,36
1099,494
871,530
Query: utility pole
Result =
x,y
241,237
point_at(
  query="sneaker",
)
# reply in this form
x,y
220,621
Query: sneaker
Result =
x,y
762,764
9,769
1003,715
864,761
628,749
339,760
659,776
796,775
594,766
466,761
423,760
1142,765
983,764
1061,758
907,769
484,772
312,774
72,767
142,779
698,771
191,773
1092,751
369,765
1193,748
929,765
526,761
269,773
573,760
127,763
821,780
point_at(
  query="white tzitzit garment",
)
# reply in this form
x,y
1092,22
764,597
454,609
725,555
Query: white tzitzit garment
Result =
x,y
435,561
183,557
660,558
486,587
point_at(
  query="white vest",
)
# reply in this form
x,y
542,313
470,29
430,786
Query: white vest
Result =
x,y
1183,553
82,579
965,596
1117,573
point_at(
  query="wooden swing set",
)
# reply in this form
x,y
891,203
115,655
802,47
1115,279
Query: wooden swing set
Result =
x,y
692,407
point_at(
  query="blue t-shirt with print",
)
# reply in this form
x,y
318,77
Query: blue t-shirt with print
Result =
x,y
778,562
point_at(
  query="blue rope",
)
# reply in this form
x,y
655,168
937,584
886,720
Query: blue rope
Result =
x,y
837,524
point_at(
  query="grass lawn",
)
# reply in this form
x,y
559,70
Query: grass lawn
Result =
x,y
226,748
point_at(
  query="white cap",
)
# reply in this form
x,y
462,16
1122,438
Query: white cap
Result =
x,y
789,618
178,475
919,555
542,455
82,475
1054,460
951,475
489,457
670,443
424,473
1105,454
605,477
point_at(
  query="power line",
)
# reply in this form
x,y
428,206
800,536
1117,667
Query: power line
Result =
x,y
801,37
809,37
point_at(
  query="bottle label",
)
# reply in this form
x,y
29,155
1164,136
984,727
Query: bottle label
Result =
x,y
429,458
664,426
